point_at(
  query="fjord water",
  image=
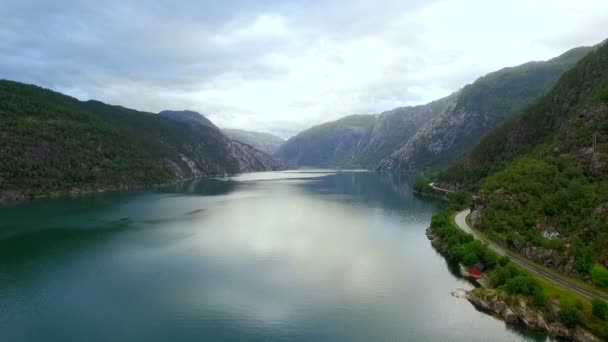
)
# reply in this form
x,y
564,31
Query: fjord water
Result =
x,y
280,256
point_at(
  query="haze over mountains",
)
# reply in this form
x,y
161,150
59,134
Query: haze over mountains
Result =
x,y
265,142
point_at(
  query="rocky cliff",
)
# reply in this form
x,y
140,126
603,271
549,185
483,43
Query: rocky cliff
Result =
x,y
54,144
479,108
360,140
264,142
519,311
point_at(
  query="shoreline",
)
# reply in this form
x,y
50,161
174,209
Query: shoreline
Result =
x,y
12,197
516,310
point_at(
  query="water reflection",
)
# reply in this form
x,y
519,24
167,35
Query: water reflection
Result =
x,y
300,256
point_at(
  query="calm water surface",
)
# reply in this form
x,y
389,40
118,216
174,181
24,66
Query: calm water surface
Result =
x,y
283,256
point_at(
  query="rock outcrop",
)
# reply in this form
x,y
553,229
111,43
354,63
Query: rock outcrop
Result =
x,y
517,310
479,108
264,142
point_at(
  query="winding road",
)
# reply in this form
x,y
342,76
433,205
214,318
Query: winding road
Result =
x,y
530,266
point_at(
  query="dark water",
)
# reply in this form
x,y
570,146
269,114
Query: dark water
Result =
x,y
262,257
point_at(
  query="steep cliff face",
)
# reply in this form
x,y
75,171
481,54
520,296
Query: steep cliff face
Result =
x,y
264,142
330,144
479,108
250,159
360,140
394,128
53,144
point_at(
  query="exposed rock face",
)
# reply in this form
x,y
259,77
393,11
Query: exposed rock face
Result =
x,y
330,144
264,142
359,140
498,304
206,151
57,145
516,310
251,159
479,108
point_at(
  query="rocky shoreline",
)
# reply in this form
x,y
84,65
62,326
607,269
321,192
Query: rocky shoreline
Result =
x,y
516,310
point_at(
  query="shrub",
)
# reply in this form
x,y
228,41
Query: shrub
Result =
x,y
501,274
600,308
539,298
459,200
522,284
599,275
571,315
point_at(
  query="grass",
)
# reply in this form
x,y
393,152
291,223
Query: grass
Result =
x,y
515,255
552,290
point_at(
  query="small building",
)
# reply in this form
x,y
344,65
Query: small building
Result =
x,y
476,270
550,233
475,273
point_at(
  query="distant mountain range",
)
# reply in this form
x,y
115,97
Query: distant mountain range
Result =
x,y
51,143
265,142
430,136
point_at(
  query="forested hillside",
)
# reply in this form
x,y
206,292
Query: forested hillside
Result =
x,y
479,108
52,143
542,177
328,144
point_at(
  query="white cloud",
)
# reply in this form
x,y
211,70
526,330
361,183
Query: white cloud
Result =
x,y
281,66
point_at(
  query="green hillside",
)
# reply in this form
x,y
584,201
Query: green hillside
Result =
x,y
541,172
328,144
479,108
51,143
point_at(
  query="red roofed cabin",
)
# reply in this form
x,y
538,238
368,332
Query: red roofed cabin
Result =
x,y
475,273
477,270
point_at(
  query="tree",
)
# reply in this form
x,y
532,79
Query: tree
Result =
x,y
571,315
600,308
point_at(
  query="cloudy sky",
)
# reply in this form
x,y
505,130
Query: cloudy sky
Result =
x,y
280,66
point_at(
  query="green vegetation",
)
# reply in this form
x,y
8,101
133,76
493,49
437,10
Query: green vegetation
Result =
x,y
552,120
599,276
571,315
481,107
541,172
422,185
460,245
538,172
52,143
515,282
329,144
600,308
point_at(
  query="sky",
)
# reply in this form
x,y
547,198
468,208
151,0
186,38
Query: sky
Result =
x,y
281,66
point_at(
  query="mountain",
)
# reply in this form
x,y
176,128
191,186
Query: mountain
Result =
x,y
541,179
328,144
395,127
265,142
479,107
51,143
187,116
359,140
